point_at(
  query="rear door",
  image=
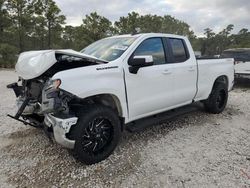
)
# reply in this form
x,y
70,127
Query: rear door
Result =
x,y
184,71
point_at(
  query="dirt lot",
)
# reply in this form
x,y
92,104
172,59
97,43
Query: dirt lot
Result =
x,y
194,150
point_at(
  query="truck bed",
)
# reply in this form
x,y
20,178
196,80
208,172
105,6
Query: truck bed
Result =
x,y
210,69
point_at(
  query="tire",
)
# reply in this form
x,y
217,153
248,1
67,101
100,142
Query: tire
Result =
x,y
217,100
96,134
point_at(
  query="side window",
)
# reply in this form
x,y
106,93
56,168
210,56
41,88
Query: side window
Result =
x,y
154,47
178,50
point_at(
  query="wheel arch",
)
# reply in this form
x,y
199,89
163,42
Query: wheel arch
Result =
x,y
216,102
221,79
106,99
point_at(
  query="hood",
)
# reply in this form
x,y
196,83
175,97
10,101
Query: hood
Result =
x,y
32,64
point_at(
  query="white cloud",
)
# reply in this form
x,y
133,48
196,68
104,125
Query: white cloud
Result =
x,y
216,14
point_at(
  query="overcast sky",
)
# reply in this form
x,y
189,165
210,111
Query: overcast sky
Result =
x,y
199,14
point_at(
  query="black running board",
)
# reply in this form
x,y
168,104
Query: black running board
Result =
x,y
141,124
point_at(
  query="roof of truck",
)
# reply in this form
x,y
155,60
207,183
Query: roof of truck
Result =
x,y
147,34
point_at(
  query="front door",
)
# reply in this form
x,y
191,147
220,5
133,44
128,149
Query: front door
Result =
x,y
151,89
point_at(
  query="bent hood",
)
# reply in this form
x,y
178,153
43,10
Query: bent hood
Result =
x,y
32,64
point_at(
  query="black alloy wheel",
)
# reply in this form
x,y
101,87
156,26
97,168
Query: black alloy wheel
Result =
x,y
97,135
217,100
220,102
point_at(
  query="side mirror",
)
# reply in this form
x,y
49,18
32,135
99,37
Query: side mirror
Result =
x,y
139,61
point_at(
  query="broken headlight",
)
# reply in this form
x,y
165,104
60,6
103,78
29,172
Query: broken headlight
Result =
x,y
54,84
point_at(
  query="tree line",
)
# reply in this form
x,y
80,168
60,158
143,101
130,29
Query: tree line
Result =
x,y
39,24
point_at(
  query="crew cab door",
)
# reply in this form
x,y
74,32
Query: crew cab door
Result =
x,y
184,70
151,89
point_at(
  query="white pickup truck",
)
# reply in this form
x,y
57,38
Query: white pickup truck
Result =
x,y
87,98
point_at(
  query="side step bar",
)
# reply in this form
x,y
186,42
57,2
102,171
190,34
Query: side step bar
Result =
x,y
144,123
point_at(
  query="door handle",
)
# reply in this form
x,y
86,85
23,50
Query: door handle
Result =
x,y
166,71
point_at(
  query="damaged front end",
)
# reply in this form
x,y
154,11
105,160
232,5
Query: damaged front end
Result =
x,y
58,114
43,104
28,93
40,101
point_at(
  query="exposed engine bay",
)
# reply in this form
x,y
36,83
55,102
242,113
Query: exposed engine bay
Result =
x,y
41,95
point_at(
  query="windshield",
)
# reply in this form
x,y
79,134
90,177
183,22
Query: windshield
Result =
x,y
109,49
243,55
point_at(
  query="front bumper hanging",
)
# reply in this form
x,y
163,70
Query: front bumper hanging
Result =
x,y
60,128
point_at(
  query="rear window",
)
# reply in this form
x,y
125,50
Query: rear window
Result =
x,y
237,55
178,50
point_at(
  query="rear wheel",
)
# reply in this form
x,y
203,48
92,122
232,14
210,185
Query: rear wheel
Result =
x,y
217,100
96,133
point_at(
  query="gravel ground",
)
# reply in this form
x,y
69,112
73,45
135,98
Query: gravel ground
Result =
x,y
194,150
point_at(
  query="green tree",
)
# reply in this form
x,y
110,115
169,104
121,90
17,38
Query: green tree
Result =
x,y
152,23
7,50
174,26
21,14
225,32
243,31
69,37
96,27
54,21
39,33
5,21
39,24
207,44
7,55
223,40
128,24
209,33
240,40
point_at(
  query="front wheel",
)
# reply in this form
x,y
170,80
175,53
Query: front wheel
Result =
x,y
217,100
96,133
